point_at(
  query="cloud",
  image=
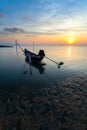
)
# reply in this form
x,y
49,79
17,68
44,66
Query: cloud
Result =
x,y
1,15
31,35
14,30
41,32
26,18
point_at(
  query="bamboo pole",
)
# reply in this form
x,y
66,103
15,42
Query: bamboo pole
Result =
x,y
60,63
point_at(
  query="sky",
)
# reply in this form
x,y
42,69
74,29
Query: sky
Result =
x,y
43,21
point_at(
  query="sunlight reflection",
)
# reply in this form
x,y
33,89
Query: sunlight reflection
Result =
x,y
69,51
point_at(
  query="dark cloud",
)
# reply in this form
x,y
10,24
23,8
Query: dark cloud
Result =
x,y
48,22
30,35
1,15
2,33
26,18
14,30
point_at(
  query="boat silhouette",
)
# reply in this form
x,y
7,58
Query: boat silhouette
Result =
x,y
36,58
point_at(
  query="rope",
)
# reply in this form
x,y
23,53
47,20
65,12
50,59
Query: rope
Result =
x,y
19,46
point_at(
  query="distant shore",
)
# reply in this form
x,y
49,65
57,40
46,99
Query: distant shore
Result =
x,y
5,46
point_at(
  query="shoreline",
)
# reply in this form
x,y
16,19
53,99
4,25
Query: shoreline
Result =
x,y
3,46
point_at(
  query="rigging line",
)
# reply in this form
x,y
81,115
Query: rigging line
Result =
x,y
51,79
33,47
19,46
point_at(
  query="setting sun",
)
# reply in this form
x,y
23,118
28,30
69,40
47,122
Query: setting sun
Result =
x,y
70,40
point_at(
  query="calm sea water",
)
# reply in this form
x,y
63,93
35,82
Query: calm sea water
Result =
x,y
16,72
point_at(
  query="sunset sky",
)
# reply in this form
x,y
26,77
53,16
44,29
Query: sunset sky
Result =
x,y
43,21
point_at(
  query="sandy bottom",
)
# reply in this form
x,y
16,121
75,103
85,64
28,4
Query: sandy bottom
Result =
x,y
63,107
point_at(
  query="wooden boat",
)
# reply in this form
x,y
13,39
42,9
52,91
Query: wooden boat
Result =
x,y
36,58
32,57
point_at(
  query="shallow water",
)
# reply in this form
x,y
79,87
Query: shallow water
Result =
x,y
63,107
15,71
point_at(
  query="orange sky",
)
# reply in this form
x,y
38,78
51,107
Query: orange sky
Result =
x,y
44,39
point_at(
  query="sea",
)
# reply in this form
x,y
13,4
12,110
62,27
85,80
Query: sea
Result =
x,y
15,71
48,97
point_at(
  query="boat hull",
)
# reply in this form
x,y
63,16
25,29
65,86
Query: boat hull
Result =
x,y
33,57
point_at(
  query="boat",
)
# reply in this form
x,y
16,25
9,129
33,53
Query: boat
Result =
x,y
37,58
34,58
31,56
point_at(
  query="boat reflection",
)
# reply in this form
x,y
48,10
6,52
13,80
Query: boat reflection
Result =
x,y
39,66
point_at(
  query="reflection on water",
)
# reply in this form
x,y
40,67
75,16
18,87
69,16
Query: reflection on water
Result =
x,y
15,70
69,51
39,67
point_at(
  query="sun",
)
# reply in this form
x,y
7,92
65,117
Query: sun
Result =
x,y
71,40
